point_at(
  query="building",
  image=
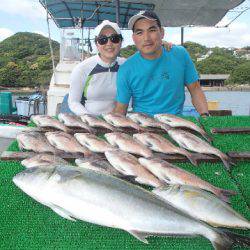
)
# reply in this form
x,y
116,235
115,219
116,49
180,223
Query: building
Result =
x,y
211,80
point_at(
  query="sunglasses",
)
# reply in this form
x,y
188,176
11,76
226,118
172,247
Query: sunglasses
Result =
x,y
114,38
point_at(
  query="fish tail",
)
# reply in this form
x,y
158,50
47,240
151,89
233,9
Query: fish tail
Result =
x,y
226,161
225,240
192,159
224,194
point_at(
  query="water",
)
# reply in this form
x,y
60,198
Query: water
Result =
x,y
237,101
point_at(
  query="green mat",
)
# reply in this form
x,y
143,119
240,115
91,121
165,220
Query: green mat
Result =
x,y
26,224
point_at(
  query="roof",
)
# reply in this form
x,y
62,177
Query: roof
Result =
x,y
70,13
214,76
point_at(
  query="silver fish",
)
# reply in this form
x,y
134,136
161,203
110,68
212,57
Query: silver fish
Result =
x,y
34,141
48,121
121,121
66,142
41,160
196,144
160,144
203,206
128,144
128,164
83,194
144,120
97,164
178,122
71,120
95,122
92,142
171,174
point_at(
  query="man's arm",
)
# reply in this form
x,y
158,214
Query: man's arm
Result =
x,y
120,108
198,97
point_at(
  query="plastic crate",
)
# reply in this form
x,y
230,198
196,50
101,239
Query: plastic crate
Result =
x,y
6,106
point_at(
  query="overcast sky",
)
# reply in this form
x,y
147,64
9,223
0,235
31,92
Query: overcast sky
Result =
x,y
29,15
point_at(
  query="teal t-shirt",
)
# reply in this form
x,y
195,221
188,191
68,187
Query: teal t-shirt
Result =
x,y
156,86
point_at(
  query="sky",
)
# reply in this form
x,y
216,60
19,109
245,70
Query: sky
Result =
x,y
30,16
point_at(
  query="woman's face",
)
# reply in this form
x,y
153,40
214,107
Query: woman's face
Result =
x,y
109,51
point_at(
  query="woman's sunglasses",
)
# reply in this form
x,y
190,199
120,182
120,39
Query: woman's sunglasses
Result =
x,y
114,38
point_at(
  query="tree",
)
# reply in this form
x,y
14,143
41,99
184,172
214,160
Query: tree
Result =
x,y
241,74
217,64
128,51
195,50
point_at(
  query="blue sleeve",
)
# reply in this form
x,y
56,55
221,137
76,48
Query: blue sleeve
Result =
x,y
123,94
191,74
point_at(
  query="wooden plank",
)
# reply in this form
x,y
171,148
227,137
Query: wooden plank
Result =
x,y
235,156
11,156
242,130
220,112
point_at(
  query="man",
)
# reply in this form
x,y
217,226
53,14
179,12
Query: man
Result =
x,y
153,77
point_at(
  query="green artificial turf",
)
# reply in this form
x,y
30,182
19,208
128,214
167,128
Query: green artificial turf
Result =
x,y
27,224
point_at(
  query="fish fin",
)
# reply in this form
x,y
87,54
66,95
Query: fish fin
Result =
x,y
224,194
129,178
165,127
207,137
165,179
139,235
67,173
62,212
226,239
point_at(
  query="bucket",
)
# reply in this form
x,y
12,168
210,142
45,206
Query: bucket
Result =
x,y
213,105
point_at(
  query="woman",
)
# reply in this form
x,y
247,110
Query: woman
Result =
x,y
93,81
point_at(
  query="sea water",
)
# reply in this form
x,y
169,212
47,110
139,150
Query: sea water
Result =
x,y
237,101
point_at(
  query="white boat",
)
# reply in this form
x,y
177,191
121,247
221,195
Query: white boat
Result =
x,y
78,14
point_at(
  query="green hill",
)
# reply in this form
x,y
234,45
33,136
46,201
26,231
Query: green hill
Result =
x,y
25,60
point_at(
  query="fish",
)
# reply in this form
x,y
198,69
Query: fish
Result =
x,y
71,120
128,164
202,205
196,144
128,144
121,121
97,164
111,202
144,120
48,121
92,142
96,122
172,174
41,160
34,141
66,142
178,122
160,144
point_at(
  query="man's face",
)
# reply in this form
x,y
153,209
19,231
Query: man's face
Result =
x,y
148,37
109,51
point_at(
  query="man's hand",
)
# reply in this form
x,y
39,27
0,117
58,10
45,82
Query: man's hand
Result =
x,y
120,108
167,45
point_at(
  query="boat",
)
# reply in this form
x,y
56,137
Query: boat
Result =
x,y
72,17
